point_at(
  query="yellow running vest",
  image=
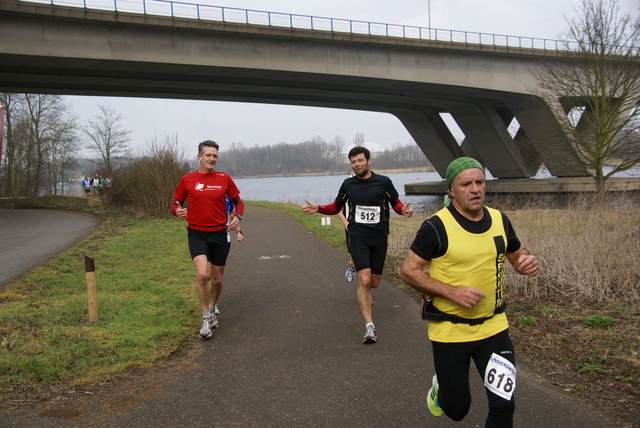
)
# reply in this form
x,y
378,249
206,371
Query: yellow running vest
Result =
x,y
473,260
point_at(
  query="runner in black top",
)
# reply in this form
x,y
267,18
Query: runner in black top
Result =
x,y
369,196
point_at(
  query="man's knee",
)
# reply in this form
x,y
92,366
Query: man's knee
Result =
x,y
364,278
203,277
456,406
364,282
375,281
458,412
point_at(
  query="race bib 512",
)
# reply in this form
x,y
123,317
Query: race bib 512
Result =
x,y
367,215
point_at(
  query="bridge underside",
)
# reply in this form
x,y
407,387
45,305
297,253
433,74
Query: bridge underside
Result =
x,y
112,59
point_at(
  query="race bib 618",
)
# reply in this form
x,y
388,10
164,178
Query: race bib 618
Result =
x,y
500,376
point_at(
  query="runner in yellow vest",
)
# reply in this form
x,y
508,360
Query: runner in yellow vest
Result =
x,y
465,245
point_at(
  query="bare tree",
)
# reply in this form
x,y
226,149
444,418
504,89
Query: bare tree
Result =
x,y
594,89
106,137
37,125
13,105
337,147
358,139
41,112
62,155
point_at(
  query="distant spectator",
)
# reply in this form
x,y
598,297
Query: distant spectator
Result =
x,y
95,183
86,185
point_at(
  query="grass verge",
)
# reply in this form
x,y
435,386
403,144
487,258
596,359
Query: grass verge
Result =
x,y
146,307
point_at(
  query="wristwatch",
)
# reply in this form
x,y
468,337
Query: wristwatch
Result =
x,y
239,217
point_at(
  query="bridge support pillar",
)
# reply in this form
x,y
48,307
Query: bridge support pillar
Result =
x,y
432,136
546,136
487,134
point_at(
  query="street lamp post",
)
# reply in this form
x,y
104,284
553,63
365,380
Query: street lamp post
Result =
x,y
429,16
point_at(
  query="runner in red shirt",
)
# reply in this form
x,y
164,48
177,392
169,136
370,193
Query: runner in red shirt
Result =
x,y
205,193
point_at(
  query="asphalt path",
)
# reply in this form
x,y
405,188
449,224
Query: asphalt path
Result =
x,y
289,353
29,237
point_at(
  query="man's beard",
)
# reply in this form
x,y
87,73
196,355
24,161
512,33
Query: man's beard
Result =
x,y
362,173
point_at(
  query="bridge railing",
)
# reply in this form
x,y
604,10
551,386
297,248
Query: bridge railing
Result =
x,y
179,9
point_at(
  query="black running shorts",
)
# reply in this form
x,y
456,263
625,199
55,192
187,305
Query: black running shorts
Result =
x,y
368,252
215,245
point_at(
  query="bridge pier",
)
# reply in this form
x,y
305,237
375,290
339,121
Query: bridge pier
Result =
x,y
432,135
487,137
546,137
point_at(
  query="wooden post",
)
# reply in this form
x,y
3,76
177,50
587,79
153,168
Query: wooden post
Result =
x,y
326,222
92,294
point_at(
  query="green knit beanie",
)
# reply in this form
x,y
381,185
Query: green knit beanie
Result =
x,y
459,165
455,168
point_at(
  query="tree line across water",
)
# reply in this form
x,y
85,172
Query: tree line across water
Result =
x,y
47,149
309,157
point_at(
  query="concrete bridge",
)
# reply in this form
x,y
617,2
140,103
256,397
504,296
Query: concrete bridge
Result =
x,y
80,51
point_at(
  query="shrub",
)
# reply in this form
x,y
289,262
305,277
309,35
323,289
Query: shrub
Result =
x,y
592,368
526,320
145,188
598,321
546,309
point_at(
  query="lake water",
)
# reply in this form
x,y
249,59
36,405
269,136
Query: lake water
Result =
x,y
319,189
323,189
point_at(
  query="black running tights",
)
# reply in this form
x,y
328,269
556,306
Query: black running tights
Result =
x,y
452,362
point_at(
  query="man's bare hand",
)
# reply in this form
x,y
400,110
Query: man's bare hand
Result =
x,y
467,296
309,208
181,212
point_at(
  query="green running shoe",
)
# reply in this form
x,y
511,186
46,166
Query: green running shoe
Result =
x,y
432,398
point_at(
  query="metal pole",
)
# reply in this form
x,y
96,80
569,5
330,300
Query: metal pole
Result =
x,y
429,16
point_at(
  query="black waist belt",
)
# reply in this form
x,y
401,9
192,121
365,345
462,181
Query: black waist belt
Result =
x,y
431,313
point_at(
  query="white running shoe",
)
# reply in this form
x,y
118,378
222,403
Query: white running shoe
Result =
x,y
205,331
349,274
371,336
214,321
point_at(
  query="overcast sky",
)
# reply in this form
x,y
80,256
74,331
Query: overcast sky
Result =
x,y
262,124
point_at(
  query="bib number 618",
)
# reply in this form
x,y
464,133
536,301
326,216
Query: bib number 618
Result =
x,y
500,376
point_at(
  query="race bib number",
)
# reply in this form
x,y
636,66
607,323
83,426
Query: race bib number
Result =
x,y
500,376
367,215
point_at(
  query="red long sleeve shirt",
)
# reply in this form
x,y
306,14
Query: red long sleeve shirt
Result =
x,y
205,197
